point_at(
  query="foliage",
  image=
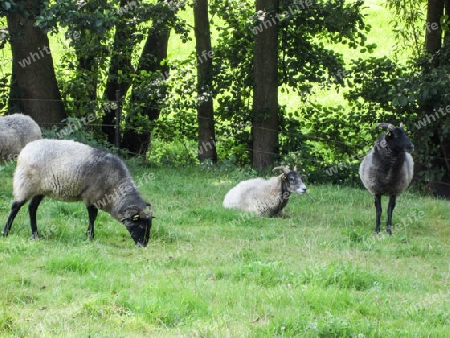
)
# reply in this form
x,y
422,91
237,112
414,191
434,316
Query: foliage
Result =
x,y
88,29
408,25
417,95
425,90
319,137
77,129
4,89
304,61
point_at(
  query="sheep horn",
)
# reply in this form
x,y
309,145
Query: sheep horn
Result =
x,y
386,125
283,168
401,125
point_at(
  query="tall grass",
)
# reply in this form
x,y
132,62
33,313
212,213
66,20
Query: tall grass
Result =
x,y
212,272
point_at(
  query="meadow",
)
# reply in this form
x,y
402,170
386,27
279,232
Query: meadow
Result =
x,y
320,271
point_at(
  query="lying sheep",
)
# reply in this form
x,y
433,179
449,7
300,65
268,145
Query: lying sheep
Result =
x,y
388,169
265,197
71,171
15,132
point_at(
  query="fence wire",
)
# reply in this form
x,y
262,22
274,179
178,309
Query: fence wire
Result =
x,y
116,125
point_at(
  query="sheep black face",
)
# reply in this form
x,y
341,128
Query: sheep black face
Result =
x,y
396,139
139,225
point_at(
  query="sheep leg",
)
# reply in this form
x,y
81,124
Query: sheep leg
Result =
x,y
32,207
391,206
14,210
379,210
92,211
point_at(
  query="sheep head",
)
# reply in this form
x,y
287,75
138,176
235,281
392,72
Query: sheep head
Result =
x,y
291,180
396,139
138,222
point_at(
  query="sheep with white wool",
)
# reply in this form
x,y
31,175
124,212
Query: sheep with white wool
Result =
x,y
71,171
15,132
388,169
265,197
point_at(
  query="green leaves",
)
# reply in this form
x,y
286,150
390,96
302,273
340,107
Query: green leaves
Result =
x,y
400,101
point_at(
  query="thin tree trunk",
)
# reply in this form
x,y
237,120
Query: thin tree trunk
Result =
x,y
34,89
120,62
154,52
433,43
447,12
265,92
205,111
90,49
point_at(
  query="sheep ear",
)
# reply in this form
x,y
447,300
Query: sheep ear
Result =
x,y
131,212
295,168
124,216
144,214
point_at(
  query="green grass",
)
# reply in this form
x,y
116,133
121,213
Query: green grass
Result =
x,y
211,272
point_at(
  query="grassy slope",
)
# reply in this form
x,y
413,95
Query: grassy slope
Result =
x,y
214,272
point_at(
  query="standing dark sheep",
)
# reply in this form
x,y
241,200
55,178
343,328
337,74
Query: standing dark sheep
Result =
x,y
72,171
388,169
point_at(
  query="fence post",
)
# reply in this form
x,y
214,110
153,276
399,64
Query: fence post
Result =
x,y
118,112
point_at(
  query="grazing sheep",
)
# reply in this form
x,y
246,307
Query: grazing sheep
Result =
x,y
388,169
265,197
71,171
15,132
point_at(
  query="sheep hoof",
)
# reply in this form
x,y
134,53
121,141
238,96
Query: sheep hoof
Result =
x,y
389,231
5,233
34,235
89,235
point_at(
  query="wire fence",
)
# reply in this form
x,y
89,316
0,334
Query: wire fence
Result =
x,y
117,104
68,127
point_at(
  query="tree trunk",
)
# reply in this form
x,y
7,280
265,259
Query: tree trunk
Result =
x,y
433,34
205,111
34,89
154,52
265,92
120,62
441,159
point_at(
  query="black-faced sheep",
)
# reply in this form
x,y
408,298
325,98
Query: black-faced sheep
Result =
x,y
388,169
15,132
72,171
265,197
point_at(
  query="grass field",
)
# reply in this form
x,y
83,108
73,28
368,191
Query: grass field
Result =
x,y
211,272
